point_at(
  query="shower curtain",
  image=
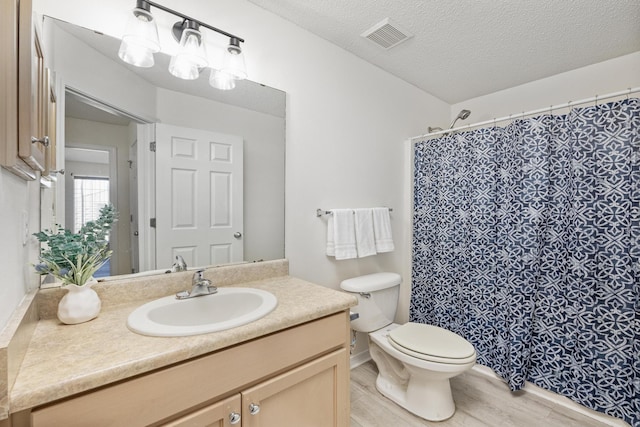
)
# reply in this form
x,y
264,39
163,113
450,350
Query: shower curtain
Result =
x,y
527,243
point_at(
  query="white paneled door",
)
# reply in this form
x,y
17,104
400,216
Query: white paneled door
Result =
x,y
198,196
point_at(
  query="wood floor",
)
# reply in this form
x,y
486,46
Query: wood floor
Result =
x,y
480,401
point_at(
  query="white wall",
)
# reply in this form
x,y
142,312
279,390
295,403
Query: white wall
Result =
x,y
18,199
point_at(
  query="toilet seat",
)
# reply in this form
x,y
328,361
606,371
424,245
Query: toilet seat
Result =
x,y
431,343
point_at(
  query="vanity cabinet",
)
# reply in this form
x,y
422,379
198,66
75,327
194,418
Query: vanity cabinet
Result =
x,y
225,413
24,99
295,377
306,396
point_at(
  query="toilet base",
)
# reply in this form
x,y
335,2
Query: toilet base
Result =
x,y
419,386
425,397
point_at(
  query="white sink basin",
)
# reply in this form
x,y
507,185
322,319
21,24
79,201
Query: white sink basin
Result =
x,y
226,309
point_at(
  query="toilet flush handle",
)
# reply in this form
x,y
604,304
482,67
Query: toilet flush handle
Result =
x,y
366,295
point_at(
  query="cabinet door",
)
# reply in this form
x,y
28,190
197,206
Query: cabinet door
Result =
x,y
315,394
32,96
9,158
225,413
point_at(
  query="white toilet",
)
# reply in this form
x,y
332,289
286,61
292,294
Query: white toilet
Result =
x,y
415,361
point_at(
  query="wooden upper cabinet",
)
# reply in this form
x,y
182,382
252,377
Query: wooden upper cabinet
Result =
x,y
9,91
23,91
32,91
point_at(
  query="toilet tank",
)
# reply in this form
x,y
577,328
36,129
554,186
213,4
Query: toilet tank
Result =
x,y
377,299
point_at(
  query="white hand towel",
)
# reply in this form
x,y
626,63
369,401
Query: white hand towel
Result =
x,y
365,241
344,234
331,243
382,230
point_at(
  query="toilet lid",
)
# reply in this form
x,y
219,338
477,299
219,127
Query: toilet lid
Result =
x,y
430,342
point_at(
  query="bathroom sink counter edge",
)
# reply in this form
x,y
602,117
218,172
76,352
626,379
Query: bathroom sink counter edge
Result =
x,y
63,360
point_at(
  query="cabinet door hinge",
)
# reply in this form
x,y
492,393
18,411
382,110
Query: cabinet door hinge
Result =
x,y
152,146
152,222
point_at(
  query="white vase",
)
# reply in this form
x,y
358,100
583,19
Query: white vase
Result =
x,y
80,304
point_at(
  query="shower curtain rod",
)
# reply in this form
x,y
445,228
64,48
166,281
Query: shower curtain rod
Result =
x,y
531,113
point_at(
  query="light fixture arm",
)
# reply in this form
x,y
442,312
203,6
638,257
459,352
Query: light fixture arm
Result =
x,y
146,5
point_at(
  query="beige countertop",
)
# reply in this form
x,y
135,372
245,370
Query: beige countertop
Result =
x,y
62,360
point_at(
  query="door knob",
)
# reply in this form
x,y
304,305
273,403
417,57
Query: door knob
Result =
x,y
237,234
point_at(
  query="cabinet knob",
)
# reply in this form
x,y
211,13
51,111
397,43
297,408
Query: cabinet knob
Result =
x,y
254,409
44,141
234,418
237,234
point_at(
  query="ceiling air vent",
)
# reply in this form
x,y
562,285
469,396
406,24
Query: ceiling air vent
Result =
x,y
386,34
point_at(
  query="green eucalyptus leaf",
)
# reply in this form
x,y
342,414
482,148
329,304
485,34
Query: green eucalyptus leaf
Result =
x,y
75,257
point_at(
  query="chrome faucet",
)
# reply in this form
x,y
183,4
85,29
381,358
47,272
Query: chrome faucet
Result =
x,y
199,287
179,265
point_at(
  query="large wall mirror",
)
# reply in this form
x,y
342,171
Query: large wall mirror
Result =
x,y
192,170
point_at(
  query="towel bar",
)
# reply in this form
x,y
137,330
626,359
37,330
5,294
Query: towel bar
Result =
x,y
320,212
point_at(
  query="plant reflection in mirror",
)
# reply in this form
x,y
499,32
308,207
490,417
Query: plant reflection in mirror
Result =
x,y
73,258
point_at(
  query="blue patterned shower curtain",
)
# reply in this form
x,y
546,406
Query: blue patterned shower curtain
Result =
x,y
527,243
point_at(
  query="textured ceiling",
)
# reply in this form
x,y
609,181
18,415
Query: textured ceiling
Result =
x,y
467,48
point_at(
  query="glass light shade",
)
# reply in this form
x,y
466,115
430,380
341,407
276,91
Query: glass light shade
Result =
x,y
136,55
191,56
140,40
234,64
221,80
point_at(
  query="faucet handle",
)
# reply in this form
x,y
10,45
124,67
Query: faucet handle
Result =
x,y
198,277
199,286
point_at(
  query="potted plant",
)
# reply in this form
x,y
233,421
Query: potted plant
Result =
x,y
73,258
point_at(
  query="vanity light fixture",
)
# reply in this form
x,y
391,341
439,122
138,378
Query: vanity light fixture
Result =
x,y
140,42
